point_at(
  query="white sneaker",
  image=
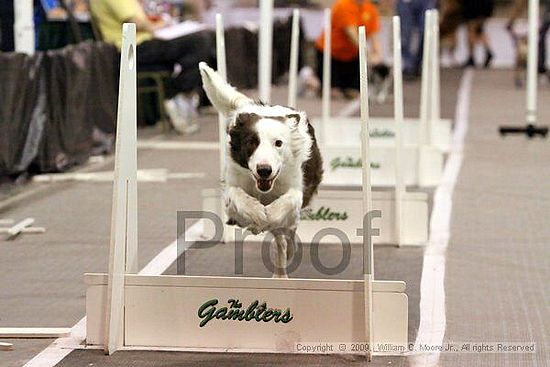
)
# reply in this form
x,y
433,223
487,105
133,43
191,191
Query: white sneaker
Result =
x,y
188,105
180,122
308,84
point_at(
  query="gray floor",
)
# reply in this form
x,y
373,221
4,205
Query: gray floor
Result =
x,y
498,238
498,260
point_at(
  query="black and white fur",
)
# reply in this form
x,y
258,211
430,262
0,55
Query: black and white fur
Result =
x,y
273,167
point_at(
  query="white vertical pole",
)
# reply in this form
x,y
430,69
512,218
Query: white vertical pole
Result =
x,y
294,50
222,71
123,247
435,115
327,47
532,59
222,133
425,90
23,26
265,49
398,115
368,260
426,98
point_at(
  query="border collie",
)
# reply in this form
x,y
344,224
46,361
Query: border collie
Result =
x,y
273,168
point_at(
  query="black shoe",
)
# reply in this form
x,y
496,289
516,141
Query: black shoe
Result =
x,y
469,64
488,59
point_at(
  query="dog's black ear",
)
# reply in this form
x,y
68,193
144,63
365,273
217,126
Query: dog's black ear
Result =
x,y
294,119
246,119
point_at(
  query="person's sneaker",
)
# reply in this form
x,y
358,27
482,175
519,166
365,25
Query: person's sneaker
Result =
x,y
180,123
308,84
188,107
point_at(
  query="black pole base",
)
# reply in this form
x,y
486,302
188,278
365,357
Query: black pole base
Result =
x,y
530,130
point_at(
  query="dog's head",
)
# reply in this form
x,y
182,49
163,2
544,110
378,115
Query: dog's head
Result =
x,y
263,139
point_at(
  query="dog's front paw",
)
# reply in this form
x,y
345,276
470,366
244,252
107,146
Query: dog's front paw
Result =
x,y
281,214
254,214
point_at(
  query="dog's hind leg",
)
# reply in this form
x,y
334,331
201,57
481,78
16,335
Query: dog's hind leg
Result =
x,y
280,265
291,244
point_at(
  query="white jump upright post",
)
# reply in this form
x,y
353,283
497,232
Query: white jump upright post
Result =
x,y
435,114
222,70
123,248
222,133
426,97
265,49
426,80
294,51
532,60
24,26
398,115
327,47
368,259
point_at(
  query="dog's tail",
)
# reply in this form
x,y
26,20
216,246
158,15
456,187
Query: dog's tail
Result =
x,y
222,95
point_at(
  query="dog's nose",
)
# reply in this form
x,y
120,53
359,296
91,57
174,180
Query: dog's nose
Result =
x,y
264,170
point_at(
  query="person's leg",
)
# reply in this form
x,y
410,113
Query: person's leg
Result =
x,y
542,42
186,52
349,76
7,19
337,74
472,39
182,90
404,9
319,68
482,38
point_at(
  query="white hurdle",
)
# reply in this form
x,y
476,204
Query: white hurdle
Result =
x,y
128,311
405,215
339,137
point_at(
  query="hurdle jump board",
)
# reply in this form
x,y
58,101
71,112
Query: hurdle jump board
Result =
x,y
422,165
164,311
346,131
342,210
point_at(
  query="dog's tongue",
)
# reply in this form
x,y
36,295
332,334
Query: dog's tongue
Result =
x,y
264,185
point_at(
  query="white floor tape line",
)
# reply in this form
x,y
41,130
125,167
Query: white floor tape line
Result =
x,y
61,347
432,287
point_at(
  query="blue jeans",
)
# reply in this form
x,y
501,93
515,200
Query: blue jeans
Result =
x,y
412,20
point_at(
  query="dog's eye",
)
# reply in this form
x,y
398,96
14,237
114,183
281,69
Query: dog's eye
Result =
x,y
278,143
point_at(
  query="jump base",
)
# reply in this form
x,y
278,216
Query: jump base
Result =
x,y
163,311
422,166
346,131
529,130
342,210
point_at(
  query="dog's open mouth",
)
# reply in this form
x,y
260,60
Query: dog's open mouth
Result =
x,y
264,184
